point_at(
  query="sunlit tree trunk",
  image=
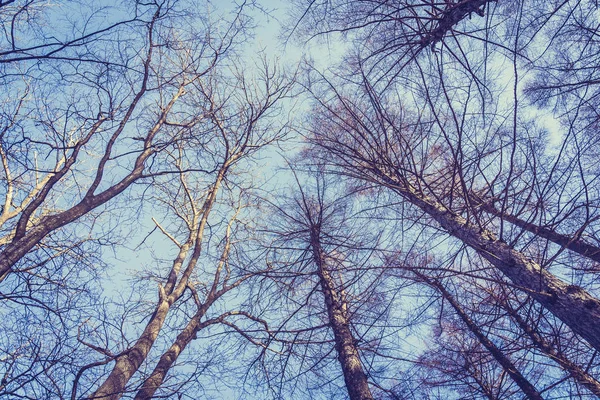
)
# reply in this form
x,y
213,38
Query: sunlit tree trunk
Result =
x,y
129,362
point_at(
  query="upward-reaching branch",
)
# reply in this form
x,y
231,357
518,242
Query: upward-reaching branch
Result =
x,y
528,389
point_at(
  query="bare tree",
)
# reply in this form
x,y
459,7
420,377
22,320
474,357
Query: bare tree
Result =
x,y
528,389
239,124
483,302
368,142
399,30
37,31
578,373
332,286
33,211
461,133
156,110
458,366
335,310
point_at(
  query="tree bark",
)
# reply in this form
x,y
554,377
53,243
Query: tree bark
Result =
x,y
155,380
570,303
128,363
337,312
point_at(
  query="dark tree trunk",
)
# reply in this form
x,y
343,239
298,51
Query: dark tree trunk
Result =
x,y
572,243
570,303
571,368
528,389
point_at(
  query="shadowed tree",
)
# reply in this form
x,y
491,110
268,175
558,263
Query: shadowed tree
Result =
x,y
549,346
508,366
316,263
483,313
371,138
382,30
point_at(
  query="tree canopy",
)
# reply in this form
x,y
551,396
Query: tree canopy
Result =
x,y
186,214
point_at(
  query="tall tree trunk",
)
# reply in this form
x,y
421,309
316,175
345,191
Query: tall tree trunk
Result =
x,y
155,380
579,374
570,303
127,364
528,389
337,312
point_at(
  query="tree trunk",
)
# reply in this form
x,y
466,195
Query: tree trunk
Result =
x,y
127,364
569,303
572,243
528,389
155,380
580,375
345,344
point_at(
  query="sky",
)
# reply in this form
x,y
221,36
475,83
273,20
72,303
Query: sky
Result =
x,y
267,40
